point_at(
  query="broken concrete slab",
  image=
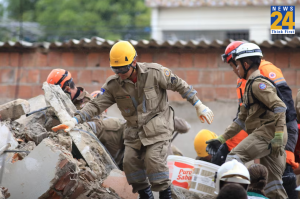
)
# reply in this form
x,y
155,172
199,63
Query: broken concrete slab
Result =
x,y
34,176
14,109
65,141
6,136
59,102
36,133
122,188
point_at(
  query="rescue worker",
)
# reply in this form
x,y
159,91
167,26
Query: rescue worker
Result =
x,y
267,69
109,130
232,172
140,91
200,144
263,117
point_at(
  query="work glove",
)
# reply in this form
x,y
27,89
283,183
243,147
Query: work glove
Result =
x,y
66,126
214,144
203,112
276,144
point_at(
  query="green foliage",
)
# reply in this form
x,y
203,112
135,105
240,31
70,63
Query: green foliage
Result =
x,y
61,19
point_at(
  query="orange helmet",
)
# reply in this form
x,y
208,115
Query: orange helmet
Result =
x,y
230,49
95,93
59,77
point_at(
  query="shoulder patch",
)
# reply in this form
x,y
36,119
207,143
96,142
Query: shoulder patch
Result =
x,y
167,72
102,90
272,75
262,86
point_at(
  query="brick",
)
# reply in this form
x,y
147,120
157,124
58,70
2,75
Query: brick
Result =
x,y
217,77
206,77
298,78
104,59
200,60
67,59
54,195
186,60
4,92
63,181
93,60
160,58
295,60
294,92
91,88
37,90
208,94
109,73
41,59
232,93
269,56
7,75
229,77
180,73
78,191
74,74
4,59
290,77
192,76
282,60
28,59
14,59
44,74
33,76
146,57
222,93
25,92
21,75
12,91
63,163
99,76
69,187
212,60
54,59
172,60
222,64
80,59
85,76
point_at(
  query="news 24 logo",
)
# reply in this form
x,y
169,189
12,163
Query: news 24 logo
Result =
x,y
282,19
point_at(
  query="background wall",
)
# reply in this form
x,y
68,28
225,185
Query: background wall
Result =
x,y
89,67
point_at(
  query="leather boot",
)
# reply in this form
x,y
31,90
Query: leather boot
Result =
x,y
165,194
145,193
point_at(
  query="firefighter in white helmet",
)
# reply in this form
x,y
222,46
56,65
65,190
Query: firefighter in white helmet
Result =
x,y
232,172
263,117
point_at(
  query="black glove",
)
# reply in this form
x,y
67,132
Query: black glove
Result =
x,y
214,144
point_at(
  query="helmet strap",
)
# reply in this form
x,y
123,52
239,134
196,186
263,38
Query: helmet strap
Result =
x,y
246,70
77,94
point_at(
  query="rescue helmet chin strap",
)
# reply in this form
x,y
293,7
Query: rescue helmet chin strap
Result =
x,y
246,70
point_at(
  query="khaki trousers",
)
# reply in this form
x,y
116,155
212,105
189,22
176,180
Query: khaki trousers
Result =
x,y
256,147
147,166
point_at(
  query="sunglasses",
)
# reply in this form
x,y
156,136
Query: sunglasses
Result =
x,y
121,69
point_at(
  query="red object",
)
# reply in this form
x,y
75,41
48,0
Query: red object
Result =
x,y
229,49
181,184
183,166
235,140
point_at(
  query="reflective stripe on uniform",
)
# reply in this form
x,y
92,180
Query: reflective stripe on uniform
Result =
x,y
191,94
185,94
273,183
93,126
279,109
136,176
275,187
144,104
87,115
233,157
158,176
281,78
240,123
280,82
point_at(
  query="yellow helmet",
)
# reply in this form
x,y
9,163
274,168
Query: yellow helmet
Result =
x,y
121,54
200,139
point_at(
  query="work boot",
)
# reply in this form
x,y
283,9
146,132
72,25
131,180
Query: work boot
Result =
x,y
165,194
289,182
145,193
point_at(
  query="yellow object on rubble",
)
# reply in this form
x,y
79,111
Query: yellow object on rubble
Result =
x,y
200,139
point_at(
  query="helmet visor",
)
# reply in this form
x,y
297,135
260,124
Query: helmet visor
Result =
x,y
224,57
121,69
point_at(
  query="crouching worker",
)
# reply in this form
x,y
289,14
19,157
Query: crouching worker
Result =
x,y
263,117
109,130
140,91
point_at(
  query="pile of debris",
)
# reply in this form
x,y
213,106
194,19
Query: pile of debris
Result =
x,y
36,162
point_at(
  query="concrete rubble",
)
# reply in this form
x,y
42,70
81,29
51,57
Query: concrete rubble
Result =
x,y
58,165
14,109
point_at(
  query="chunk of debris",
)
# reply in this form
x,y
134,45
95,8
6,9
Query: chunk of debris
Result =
x,y
14,109
122,188
29,146
181,193
36,133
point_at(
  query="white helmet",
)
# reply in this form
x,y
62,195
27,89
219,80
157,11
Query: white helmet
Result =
x,y
232,171
247,50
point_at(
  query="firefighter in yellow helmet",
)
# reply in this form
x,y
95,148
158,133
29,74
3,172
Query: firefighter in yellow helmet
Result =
x,y
140,91
200,144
